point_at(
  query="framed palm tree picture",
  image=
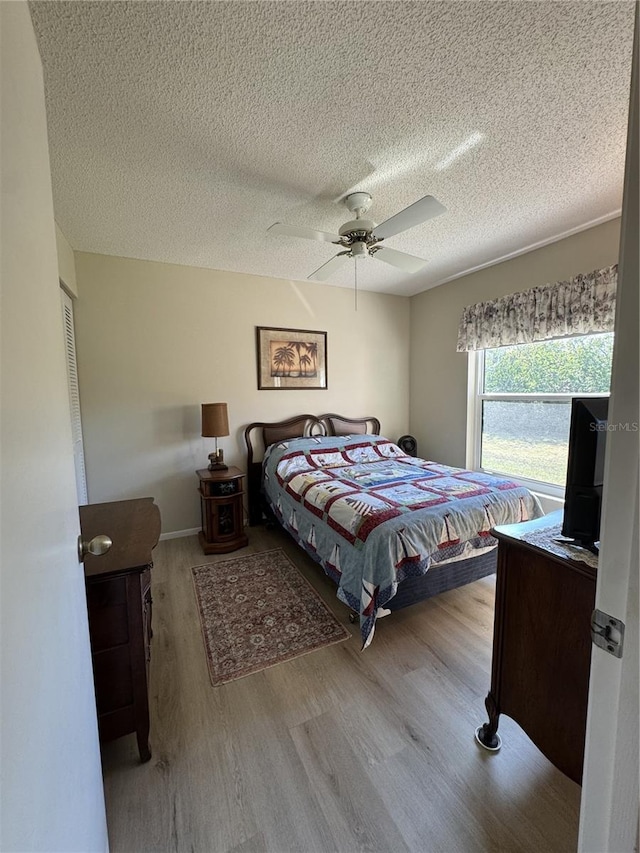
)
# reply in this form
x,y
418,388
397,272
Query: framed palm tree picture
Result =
x,y
291,359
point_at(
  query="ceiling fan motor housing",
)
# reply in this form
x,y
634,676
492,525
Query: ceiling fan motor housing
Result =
x,y
356,228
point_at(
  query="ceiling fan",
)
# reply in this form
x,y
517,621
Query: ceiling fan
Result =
x,y
361,237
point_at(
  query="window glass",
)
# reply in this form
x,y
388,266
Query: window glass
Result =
x,y
526,436
580,365
526,439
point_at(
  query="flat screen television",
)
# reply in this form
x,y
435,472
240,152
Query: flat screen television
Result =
x,y
585,471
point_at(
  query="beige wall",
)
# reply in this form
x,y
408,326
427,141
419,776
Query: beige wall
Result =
x,y
438,387
66,262
156,340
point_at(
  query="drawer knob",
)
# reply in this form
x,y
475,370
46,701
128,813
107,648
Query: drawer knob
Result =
x,y
97,546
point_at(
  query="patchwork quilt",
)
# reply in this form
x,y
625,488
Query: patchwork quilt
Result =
x,y
372,516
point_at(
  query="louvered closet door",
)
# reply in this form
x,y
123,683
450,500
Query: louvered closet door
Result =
x,y
74,396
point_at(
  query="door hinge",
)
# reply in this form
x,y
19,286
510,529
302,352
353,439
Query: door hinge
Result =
x,y
607,632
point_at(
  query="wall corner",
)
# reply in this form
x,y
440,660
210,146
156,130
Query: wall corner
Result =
x,y
66,263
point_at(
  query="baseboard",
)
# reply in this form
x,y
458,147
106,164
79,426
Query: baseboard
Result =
x,y
179,534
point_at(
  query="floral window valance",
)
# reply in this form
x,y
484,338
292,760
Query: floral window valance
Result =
x,y
580,306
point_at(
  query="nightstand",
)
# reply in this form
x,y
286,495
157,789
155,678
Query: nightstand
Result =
x,y
221,508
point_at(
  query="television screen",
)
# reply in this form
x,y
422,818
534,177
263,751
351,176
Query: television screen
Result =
x,y
585,470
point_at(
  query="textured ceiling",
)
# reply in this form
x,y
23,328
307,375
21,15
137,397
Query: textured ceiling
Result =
x,y
180,131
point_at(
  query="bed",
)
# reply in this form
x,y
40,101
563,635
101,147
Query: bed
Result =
x,y
390,529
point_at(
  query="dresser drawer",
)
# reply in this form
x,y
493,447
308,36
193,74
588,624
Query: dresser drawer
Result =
x,y
108,614
106,593
113,679
109,626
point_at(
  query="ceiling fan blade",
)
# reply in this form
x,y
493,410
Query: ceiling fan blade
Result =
x,y
326,270
408,263
418,212
301,231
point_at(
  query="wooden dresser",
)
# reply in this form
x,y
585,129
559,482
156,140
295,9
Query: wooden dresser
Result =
x,y
118,585
541,644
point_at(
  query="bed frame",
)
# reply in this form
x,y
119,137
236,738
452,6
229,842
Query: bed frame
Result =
x,y
439,578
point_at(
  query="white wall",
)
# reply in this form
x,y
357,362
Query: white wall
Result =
x,y
156,340
51,785
438,388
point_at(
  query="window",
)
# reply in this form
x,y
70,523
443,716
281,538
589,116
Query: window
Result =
x,y
520,405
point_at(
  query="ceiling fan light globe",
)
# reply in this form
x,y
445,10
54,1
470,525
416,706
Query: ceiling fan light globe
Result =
x,y
359,249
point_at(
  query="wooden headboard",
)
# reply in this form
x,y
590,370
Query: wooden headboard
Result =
x,y
270,433
298,426
339,425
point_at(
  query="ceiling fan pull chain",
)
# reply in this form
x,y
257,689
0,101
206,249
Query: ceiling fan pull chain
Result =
x,y
355,264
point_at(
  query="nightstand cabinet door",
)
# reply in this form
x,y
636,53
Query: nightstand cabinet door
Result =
x,y
222,513
226,518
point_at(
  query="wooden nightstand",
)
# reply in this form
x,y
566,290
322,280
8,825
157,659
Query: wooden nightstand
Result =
x,y
221,510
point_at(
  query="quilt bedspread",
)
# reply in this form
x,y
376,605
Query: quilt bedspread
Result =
x,y
372,516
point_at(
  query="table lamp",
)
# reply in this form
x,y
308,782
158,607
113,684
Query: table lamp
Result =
x,y
215,423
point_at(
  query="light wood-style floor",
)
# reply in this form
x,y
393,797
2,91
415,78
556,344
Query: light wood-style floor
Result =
x,y
339,750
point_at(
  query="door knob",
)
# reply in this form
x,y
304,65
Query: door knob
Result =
x,y
97,546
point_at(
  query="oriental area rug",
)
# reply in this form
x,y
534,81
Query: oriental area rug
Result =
x,y
257,611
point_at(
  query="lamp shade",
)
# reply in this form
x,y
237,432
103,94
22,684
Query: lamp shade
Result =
x,y
215,420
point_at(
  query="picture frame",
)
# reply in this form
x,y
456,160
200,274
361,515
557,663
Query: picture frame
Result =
x,y
291,359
